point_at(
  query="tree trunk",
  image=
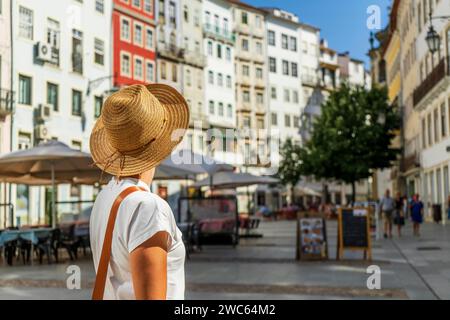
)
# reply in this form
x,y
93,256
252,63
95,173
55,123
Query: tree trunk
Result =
x,y
353,192
292,194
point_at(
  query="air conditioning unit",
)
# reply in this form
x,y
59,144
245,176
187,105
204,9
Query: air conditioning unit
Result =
x,y
45,111
42,132
44,52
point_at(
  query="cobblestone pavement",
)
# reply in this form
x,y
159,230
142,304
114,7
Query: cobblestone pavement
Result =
x,y
264,268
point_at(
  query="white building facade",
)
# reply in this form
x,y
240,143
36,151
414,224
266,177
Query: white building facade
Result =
x,y
62,73
284,78
219,99
432,101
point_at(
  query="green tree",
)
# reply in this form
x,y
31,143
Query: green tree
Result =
x,y
290,169
352,137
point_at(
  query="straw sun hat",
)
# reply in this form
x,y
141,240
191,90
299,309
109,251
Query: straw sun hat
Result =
x,y
138,128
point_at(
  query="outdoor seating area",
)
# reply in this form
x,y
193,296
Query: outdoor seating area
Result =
x,y
29,243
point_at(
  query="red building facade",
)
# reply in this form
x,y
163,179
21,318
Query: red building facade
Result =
x,y
134,42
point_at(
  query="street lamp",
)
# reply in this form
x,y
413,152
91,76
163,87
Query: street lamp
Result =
x,y
433,40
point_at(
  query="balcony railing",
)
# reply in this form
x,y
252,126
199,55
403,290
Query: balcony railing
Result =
x,y
195,58
309,79
170,51
410,162
438,73
6,101
219,33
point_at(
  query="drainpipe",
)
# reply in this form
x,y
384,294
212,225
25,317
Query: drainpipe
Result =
x,y
11,126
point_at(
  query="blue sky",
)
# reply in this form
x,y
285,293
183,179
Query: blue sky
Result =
x,y
342,22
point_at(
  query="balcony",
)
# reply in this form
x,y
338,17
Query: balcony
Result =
x,y
195,59
170,51
437,82
309,80
219,34
410,162
6,102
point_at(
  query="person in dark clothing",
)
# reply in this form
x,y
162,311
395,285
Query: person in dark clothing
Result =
x,y
416,214
399,219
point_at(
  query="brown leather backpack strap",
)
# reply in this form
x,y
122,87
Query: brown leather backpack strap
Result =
x,y
102,270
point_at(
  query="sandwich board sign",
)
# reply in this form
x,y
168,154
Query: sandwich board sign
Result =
x,y
354,231
311,239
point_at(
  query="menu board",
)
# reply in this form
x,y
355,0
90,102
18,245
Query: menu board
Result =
x,y
312,238
354,230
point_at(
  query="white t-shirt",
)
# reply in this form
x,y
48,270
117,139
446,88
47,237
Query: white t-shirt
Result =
x,y
141,215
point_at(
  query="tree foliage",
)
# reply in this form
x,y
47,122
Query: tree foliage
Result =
x,y
352,136
290,170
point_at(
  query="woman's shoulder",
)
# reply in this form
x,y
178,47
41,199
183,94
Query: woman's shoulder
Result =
x,y
151,203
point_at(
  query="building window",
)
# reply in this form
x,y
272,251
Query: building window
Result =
x,y
294,70
286,95
219,51
284,41
148,6
221,110
210,48
138,34
174,72
295,96
424,134
125,29
285,68
229,111
220,79
172,15
271,37
25,89
296,122
272,64
228,81
228,54
259,98
210,77
99,52
244,18
429,132
137,3
274,119
245,70
287,120
76,102
259,49
244,45
77,51
443,121
53,95
25,23
163,70
125,69
258,21
211,107
150,72
293,43
246,96
100,6
149,38
273,92
436,125
259,73
98,104
53,33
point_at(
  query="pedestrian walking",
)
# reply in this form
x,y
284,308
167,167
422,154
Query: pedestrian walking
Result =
x,y
399,219
416,214
137,248
387,207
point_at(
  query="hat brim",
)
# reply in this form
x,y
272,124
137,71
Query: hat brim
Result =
x,y
177,121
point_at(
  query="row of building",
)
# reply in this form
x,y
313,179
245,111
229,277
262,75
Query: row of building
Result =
x,y
238,66
411,57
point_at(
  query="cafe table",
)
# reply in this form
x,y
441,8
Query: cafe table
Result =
x,y
31,235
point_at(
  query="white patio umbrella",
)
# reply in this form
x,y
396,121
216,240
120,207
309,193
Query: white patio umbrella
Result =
x,y
52,161
229,179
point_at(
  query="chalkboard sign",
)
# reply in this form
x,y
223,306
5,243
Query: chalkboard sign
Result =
x,y
354,230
